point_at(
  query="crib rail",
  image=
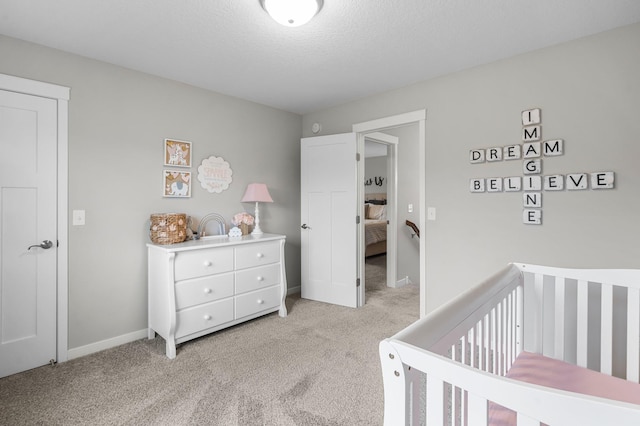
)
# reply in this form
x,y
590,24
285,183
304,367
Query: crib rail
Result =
x,y
568,308
444,368
533,404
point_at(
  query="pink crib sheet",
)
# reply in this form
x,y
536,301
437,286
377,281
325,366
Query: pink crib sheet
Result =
x,y
540,370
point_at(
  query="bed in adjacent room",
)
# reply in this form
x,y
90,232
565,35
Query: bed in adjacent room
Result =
x,y
375,223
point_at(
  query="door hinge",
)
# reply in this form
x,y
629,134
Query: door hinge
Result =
x,y
357,282
357,156
358,219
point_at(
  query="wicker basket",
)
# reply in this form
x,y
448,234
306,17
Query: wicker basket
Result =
x,y
168,228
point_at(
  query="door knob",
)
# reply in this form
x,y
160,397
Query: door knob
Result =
x,y
46,244
305,226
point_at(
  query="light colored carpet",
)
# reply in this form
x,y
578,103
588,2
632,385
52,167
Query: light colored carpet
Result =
x,y
318,366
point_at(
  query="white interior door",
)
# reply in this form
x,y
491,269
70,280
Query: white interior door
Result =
x,y
28,217
328,213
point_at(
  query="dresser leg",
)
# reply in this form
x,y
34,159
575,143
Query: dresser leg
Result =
x,y
171,348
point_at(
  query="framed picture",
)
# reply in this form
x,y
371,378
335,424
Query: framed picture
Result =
x,y
177,153
177,183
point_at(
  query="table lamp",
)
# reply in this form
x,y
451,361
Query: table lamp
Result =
x,y
257,193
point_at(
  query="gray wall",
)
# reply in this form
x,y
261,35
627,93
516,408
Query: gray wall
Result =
x,y
118,120
408,254
588,91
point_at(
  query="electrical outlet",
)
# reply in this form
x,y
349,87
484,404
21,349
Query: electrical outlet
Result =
x,y
78,217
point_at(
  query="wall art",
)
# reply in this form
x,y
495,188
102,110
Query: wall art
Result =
x,y
177,183
177,153
214,174
533,151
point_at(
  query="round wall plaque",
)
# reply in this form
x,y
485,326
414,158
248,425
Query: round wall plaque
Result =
x,y
214,174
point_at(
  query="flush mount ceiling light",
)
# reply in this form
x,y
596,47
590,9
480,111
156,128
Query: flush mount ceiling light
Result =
x,y
292,13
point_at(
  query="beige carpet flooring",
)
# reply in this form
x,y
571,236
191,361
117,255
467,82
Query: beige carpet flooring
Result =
x,y
318,366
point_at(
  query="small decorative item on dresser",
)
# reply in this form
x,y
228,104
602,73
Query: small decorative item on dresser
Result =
x,y
235,232
243,220
168,228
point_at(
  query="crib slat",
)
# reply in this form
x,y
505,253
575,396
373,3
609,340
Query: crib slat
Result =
x,y
509,332
499,337
485,342
480,334
520,319
538,319
606,330
477,411
558,341
582,326
526,421
494,342
472,342
633,335
435,401
502,348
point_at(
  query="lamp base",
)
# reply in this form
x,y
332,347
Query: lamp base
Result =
x,y
256,227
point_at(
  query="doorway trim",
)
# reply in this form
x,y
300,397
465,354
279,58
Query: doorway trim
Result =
x,y
391,142
418,117
61,95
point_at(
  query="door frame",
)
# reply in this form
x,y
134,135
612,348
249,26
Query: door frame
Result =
x,y
391,142
418,117
60,94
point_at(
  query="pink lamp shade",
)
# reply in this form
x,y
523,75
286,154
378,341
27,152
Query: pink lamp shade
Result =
x,y
257,192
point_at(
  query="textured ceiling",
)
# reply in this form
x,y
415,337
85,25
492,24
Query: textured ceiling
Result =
x,y
351,49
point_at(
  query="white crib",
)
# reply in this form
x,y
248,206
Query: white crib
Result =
x,y
451,367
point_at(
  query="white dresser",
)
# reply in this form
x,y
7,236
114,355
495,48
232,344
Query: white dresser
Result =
x,y
198,287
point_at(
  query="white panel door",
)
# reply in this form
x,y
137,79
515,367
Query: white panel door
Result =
x,y
28,143
328,215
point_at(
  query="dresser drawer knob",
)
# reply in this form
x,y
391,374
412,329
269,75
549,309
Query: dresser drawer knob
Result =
x,y
260,278
207,317
260,301
260,255
207,290
207,263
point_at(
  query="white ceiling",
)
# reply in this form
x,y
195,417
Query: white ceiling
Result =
x,y
350,50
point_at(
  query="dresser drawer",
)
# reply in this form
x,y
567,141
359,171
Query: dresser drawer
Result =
x,y
198,263
201,317
256,301
257,278
257,254
203,290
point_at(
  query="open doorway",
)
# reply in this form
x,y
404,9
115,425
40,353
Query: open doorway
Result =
x,y
411,250
379,189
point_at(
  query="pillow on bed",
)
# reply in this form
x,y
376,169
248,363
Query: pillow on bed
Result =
x,y
366,211
377,212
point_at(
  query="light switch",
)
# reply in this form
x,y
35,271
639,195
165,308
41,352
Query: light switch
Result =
x,y
431,213
410,208
78,217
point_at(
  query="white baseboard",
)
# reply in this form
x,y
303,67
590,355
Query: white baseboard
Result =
x,y
106,344
403,282
125,338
